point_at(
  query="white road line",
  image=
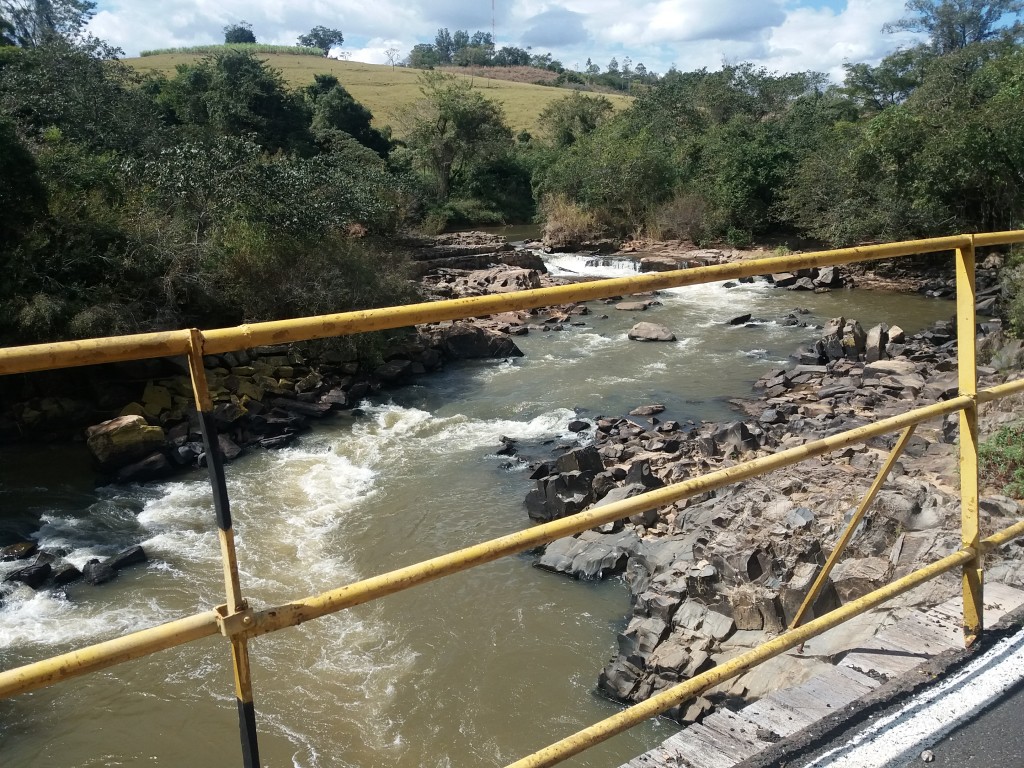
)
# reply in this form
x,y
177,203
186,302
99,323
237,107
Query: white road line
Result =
x,y
898,739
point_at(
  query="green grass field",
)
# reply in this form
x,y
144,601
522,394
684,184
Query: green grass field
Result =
x,y
386,91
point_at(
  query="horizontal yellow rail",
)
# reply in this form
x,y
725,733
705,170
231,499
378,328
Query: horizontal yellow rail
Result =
x,y
65,354
136,645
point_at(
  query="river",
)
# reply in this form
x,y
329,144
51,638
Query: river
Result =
x,y
475,670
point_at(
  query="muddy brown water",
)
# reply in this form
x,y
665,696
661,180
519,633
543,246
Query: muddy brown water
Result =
x,y
477,669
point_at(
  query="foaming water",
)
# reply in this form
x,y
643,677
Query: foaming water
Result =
x,y
479,668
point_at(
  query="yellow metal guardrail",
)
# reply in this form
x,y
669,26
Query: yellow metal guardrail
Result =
x,y
240,624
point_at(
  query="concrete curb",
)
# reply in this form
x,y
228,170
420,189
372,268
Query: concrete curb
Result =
x,y
793,750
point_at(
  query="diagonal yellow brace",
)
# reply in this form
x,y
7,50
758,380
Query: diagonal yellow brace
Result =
x,y
862,509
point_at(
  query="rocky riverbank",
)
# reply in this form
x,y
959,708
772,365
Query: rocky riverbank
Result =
x,y
713,575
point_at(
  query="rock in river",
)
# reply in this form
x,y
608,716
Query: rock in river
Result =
x,y
650,332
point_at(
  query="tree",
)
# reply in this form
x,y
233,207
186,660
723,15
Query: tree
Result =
x,y
335,110
444,45
322,38
31,22
452,127
888,84
236,93
511,56
423,56
460,39
239,33
567,120
955,24
392,56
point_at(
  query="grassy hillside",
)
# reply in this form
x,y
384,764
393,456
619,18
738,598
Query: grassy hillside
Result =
x,y
386,90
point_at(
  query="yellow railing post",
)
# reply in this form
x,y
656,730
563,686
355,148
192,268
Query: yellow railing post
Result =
x,y
234,615
973,572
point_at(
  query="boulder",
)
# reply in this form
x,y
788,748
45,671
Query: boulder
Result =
x,y
647,410
619,679
884,368
21,550
854,340
736,435
66,574
650,332
718,625
152,467
783,279
96,572
828,277
855,578
34,575
877,339
658,264
131,556
591,555
640,473
586,459
122,441
501,279
463,341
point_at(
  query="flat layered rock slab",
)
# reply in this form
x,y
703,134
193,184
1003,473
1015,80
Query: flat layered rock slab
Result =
x,y
705,747
884,658
905,638
773,715
999,600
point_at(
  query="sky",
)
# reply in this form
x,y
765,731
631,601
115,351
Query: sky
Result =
x,y
782,35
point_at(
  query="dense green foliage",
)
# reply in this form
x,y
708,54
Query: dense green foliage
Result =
x,y
461,147
1002,460
220,195
928,142
213,197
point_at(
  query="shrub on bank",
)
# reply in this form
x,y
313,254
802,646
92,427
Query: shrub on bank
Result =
x,y
567,222
1002,459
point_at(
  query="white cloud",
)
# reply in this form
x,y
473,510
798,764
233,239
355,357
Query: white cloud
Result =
x,y
822,40
783,35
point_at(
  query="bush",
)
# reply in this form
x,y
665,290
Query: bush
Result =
x,y
567,222
619,174
1013,288
1002,459
684,217
460,213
